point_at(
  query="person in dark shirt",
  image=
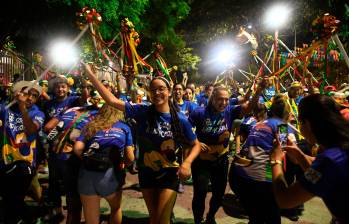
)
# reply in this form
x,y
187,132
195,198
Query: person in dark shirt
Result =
x,y
325,175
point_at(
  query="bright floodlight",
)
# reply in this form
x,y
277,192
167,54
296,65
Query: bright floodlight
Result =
x,y
277,16
64,54
225,55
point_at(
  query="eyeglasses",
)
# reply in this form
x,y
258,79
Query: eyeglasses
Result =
x,y
161,89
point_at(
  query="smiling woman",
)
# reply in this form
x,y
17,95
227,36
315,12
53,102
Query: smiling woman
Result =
x,y
161,131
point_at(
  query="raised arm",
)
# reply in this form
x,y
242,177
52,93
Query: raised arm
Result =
x,y
104,92
248,107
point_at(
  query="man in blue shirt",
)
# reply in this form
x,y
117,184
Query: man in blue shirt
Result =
x,y
19,126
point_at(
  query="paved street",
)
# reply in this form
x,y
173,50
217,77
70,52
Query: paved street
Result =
x,y
135,211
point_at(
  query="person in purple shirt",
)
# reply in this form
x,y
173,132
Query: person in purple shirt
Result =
x,y
161,131
109,141
185,106
64,165
61,100
325,175
251,182
19,125
213,125
202,99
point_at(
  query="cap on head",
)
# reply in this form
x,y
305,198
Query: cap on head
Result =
x,y
18,86
296,84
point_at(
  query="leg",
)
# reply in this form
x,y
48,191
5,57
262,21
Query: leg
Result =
x,y
54,190
150,197
200,186
165,204
14,186
114,201
219,174
70,171
90,204
74,208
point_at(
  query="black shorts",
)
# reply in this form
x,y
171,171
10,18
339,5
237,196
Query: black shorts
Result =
x,y
162,179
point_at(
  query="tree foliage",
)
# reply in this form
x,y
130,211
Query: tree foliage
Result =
x,y
154,20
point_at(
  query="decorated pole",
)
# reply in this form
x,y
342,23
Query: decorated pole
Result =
x,y
341,48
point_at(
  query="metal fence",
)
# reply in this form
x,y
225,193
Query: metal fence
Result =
x,y
9,65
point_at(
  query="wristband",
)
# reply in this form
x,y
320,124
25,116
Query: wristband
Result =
x,y
274,162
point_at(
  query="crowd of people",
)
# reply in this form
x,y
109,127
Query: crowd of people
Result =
x,y
287,147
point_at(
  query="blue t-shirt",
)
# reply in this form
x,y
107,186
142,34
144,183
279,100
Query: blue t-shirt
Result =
x,y
214,129
328,178
119,135
14,142
246,125
233,101
257,148
157,146
187,107
54,108
202,100
267,95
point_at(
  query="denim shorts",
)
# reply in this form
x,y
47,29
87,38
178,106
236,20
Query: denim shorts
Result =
x,y
100,183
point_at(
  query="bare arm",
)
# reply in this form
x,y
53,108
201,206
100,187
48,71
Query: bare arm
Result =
x,y
298,157
30,126
51,124
286,196
184,170
104,92
248,107
129,154
79,148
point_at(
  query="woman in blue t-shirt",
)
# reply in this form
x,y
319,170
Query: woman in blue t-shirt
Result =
x,y
162,130
326,175
214,126
251,182
185,106
103,144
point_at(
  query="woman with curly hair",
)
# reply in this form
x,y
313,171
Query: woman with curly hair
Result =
x,y
103,144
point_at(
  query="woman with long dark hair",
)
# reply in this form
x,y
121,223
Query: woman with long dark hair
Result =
x,y
162,130
326,175
102,145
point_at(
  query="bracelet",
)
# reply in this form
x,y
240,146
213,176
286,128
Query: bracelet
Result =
x,y
274,162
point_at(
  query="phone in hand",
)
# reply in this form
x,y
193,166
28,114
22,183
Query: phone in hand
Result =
x,y
282,130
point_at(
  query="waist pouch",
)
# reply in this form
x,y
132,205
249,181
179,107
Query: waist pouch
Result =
x,y
100,159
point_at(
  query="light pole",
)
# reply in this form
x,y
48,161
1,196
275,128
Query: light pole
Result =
x,y
275,18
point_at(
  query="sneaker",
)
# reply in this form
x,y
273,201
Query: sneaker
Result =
x,y
181,188
188,181
200,222
173,218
